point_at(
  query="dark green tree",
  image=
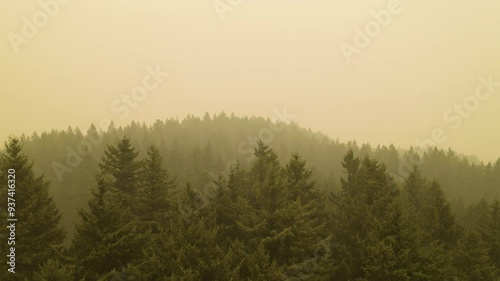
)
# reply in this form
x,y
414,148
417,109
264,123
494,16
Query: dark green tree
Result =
x,y
271,208
482,235
472,259
495,233
157,191
188,249
433,226
38,234
438,218
372,234
107,238
120,169
430,211
53,270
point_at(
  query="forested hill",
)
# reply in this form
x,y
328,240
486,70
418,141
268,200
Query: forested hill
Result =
x,y
170,202
198,150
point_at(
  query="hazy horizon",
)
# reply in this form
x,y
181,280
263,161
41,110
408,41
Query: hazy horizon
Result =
x,y
261,56
250,199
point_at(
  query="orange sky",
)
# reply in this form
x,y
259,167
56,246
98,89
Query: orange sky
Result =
x,y
410,79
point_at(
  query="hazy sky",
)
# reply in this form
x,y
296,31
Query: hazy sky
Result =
x,y
74,65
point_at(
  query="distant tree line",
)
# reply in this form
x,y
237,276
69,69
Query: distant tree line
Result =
x,y
265,220
198,150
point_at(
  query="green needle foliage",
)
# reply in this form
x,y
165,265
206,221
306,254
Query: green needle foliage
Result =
x,y
160,205
38,233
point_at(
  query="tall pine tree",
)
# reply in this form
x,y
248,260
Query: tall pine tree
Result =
x,y
372,237
38,234
109,237
157,191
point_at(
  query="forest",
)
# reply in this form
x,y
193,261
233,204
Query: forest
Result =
x,y
245,198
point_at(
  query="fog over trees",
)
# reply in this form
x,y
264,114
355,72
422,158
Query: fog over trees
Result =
x,y
237,198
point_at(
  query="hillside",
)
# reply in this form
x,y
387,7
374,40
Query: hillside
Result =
x,y
198,150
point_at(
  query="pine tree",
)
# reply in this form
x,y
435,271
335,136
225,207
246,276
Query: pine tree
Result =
x,y
303,214
414,188
430,210
120,169
495,233
471,258
266,196
433,226
157,191
438,217
129,273
107,238
38,234
188,250
228,204
274,209
298,179
373,239
53,270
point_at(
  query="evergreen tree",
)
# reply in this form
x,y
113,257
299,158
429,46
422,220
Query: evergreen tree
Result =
x,y
38,234
433,226
272,208
264,220
157,196
129,273
483,222
472,259
188,250
495,233
53,270
414,188
431,212
107,238
229,204
120,169
461,177
372,239
438,217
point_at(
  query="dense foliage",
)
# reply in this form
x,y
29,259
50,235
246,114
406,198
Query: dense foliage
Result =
x,y
167,202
